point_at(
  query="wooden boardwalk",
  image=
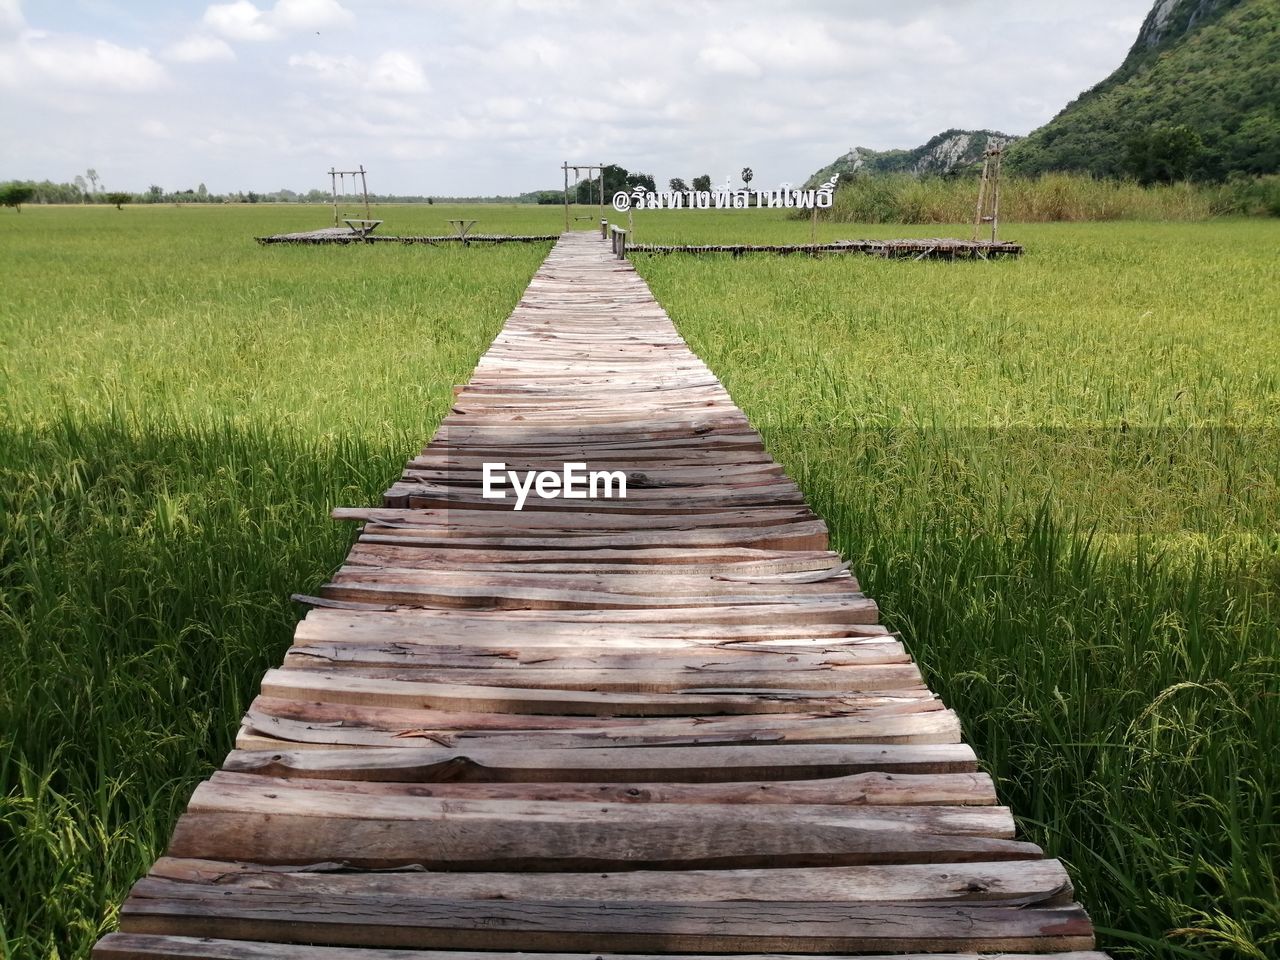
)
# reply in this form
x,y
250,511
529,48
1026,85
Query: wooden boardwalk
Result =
x,y
915,248
345,235
664,724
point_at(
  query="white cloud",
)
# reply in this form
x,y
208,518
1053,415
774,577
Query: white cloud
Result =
x,y
397,72
394,108
926,40
392,72
674,87
342,68
791,43
63,61
505,108
532,52
729,61
308,14
240,20
795,47
200,48
550,6
11,19
244,20
635,92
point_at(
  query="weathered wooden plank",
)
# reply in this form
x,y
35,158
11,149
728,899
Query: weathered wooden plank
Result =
x,y
518,592
895,789
832,580
333,725
786,618
582,629
864,708
690,478
816,681
271,731
713,661
485,442
808,535
646,500
232,792
571,434
708,764
126,946
584,925
1043,882
707,700
637,456
565,521
692,560
274,824
640,652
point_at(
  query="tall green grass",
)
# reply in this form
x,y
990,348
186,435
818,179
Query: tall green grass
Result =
x,y
1058,476
1051,197
180,410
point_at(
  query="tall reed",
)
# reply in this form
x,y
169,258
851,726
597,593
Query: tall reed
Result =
x,y
1049,198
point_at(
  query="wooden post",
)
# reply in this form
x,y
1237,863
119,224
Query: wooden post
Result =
x,y
566,196
364,188
333,192
989,194
604,229
995,195
601,175
982,197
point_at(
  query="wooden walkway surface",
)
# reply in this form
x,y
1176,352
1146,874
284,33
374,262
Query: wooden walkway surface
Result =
x,y
345,235
664,724
915,248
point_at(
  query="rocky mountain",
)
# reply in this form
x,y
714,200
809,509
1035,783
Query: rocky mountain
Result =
x,y
1171,19
1202,78
948,152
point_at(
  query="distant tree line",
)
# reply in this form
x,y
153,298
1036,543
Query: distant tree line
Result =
x,y
93,191
615,178
16,192
618,178
89,188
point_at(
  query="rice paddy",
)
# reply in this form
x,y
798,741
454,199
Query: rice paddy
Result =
x,y
1058,477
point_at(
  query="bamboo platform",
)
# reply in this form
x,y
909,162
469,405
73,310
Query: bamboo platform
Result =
x,y
344,235
665,724
924,248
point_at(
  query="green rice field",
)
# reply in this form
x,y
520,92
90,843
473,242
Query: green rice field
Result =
x,y
1059,476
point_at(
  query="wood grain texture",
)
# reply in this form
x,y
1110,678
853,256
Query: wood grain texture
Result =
x,y
959,789
1029,881
124,946
646,926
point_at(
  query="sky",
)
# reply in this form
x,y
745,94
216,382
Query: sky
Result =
x,y
485,97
